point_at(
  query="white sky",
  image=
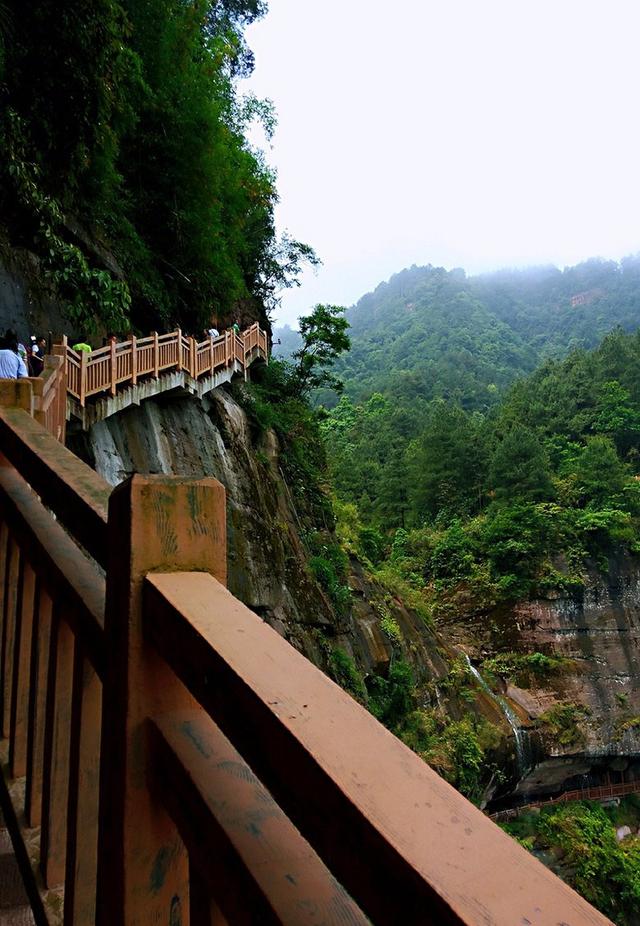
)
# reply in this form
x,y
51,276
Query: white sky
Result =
x,y
473,133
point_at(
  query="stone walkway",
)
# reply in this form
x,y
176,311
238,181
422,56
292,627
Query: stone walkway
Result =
x,y
14,906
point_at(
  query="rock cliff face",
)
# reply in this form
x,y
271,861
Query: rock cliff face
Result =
x,y
24,308
267,560
597,634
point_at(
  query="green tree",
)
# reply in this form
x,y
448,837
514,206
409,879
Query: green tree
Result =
x,y
520,467
447,466
616,416
601,475
324,338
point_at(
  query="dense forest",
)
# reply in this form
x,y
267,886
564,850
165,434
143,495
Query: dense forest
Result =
x,y
125,171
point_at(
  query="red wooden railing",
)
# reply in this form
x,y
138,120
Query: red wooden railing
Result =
x,y
185,764
596,793
123,364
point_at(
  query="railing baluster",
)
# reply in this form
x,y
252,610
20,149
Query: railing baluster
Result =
x,y
113,371
55,789
4,544
84,359
21,671
82,819
40,645
134,360
8,633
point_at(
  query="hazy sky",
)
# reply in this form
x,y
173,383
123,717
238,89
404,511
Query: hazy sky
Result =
x,y
473,133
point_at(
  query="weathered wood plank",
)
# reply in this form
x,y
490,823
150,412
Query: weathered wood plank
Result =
x,y
84,781
65,484
40,647
21,672
155,522
55,789
257,866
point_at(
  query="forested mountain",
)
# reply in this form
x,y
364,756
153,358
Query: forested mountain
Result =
x,y
485,484
433,355
428,333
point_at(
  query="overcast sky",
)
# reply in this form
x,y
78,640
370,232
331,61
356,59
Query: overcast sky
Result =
x,y
469,133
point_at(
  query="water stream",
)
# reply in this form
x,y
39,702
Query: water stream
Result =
x,y
520,737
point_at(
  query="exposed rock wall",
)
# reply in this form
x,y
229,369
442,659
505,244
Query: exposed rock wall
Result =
x,y
597,632
21,307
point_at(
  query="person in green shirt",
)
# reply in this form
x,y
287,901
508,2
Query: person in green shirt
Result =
x,y
81,345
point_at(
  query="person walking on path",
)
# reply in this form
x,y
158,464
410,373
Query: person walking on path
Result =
x,y
12,366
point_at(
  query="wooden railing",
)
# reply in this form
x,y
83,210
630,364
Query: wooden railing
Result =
x,y
596,793
105,369
44,397
185,763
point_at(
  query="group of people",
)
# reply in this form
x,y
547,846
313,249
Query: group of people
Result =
x,y
16,360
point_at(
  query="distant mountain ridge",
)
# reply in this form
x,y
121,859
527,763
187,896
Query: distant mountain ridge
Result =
x,y
432,333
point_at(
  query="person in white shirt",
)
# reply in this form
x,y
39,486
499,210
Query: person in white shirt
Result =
x,y
12,366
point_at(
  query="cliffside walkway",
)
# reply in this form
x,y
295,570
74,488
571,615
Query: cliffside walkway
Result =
x,y
126,373
168,758
597,793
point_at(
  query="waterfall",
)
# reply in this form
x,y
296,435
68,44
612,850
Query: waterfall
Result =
x,y
510,716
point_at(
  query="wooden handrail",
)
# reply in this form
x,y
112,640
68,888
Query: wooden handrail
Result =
x,y
125,363
70,577
202,780
65,484
184,762
323,757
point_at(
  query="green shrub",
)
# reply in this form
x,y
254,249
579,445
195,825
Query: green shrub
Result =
x,y
345,673
563,723
390,699
524,668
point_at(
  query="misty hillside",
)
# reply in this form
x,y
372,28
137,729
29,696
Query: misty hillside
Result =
x,y
430,333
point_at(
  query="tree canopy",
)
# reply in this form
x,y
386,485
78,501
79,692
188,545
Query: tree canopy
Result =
x,y
125,164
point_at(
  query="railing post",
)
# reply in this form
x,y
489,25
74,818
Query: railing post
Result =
x,y
227,353
193,358
83,377
113,368
166,524
179,333
156,355
60,350
134,360
211,354
17,393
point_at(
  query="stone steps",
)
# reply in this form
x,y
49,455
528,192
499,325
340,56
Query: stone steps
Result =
x,y
14,906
